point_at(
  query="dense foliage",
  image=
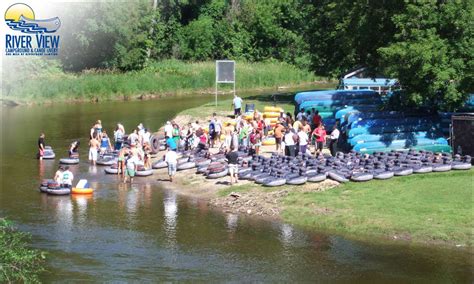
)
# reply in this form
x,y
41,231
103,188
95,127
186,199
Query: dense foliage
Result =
x,y
18,262
427,44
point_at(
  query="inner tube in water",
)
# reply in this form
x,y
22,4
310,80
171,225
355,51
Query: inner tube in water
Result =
x,y
361,177
106,162
215,175
337,176
48,154
43,189
272,182
186,166
111,171
69,161
76,190
59,191
159,165
144,173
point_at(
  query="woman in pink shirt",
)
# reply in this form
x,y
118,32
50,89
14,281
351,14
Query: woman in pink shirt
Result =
x,y
320,134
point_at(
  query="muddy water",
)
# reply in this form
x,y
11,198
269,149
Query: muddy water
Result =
x,y
144,232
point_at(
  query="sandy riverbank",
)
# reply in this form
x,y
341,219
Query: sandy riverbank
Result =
x,y
245,197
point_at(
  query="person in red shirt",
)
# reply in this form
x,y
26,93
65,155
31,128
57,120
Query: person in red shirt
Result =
x,y
320,134
317,120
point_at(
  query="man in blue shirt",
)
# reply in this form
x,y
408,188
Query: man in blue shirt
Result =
x,y
171,143
237,104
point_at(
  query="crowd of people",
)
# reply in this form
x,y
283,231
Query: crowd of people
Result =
x,y
246,131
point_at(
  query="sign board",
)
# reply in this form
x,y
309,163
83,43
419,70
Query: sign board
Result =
x,y
225,71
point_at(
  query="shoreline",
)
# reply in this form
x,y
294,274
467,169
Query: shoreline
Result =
x,y
274,204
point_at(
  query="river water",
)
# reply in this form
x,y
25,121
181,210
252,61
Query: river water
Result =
x,y
144,232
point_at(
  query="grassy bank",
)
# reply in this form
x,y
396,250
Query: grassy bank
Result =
x,y
435,208
224,106
18,262
169,77
429,208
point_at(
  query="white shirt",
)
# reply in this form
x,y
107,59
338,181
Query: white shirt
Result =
x,y
168,130
218,125
146,137
335,134
237,102
171,157
299,116
303,138
289,139
67,177
132,162
133,138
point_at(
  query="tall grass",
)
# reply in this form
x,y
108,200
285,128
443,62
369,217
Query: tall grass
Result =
x,y
167,77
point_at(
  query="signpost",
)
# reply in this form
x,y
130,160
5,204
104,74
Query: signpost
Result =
x,y
225,73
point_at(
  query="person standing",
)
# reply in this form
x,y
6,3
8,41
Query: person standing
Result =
x,y
333,138
217,129
232,159
171,158
105,143
290,142
131,164
317,120
133,138
93,150
176,135
278,133
74,149
121,161
168,130
67,178
320,134
41,146
118,136
237,104
303,140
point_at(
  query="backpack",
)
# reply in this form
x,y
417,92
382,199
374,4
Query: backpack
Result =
x,y
212,128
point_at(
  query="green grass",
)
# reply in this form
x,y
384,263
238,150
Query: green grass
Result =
x,y
224,107
18,262
168,77
429,208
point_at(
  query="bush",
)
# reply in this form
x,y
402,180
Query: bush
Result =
x,y
18,262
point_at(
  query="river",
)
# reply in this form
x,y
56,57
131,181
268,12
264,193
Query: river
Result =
x,y
144,232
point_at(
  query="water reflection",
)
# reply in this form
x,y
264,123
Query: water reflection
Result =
x,y
171,215
132,203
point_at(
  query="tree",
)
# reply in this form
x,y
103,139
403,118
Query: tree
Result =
x,y
432,53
